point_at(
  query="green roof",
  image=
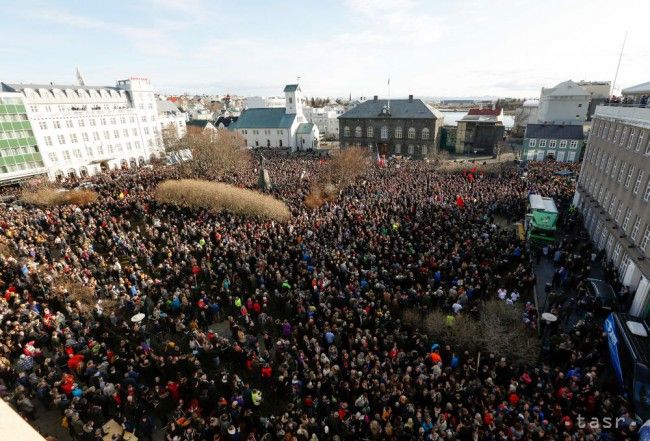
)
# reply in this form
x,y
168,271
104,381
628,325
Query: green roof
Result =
x,y
291,88
272,118
304,128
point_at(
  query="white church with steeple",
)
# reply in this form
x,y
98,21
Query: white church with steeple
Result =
x,y
279,127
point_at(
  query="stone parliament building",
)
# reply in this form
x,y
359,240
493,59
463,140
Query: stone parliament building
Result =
x,y
400,127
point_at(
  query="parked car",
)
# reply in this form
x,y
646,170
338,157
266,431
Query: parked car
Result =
x,y
603,293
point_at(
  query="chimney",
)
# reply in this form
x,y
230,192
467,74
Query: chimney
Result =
x,y
410,98
375,97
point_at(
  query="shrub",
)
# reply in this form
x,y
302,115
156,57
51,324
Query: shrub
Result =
x,y
218,196
48,197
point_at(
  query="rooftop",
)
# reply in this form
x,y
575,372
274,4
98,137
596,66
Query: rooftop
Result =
x,y
398,108
264,118
643,88
631,114
566,88
304,128
485,112
554,131
291,87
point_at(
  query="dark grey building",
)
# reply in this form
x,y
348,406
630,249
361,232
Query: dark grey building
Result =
x,y
406,127
613,195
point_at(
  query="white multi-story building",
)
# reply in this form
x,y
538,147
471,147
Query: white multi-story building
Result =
x,y
172,119
326,119
567,104
82,130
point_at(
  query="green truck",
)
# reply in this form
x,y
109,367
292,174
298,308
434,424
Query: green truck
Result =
x,y
541,220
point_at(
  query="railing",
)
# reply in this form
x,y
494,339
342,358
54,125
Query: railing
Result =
x,y
638,103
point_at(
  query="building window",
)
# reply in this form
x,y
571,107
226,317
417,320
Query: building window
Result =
x,y
628,179
410,148
346,131
621,172
61,139
398,132
48,140
425,133
646,238
43,125
57,124
411,133
92,122
626,220
424,150
542,143
116,133
73,138
532,142
66,154
635,228
637,183
573,145
69,124
646,194
89,151
384,132
398,149
52,157
530,155
563,143
357,132
552,144
370,132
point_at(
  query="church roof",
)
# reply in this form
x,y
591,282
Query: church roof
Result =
x,y
264,118
304,128
291,87
399,108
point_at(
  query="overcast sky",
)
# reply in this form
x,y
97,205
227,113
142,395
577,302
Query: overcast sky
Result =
x,y
337,47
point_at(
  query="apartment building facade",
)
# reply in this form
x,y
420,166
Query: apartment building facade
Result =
x,y
613,194
81,130
20,157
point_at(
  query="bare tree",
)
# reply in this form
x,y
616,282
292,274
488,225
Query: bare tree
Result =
x,y
499,329
215,154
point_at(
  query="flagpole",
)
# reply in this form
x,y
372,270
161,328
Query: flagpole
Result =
x,y
389,93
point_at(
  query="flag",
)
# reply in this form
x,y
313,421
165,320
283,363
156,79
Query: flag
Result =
x,y
460,202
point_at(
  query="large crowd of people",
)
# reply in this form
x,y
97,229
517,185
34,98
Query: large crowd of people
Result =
x,y
207,326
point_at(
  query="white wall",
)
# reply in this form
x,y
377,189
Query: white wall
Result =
x,y
106,124
569,110
258,137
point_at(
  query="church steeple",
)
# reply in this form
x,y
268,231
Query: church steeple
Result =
x,y
293,96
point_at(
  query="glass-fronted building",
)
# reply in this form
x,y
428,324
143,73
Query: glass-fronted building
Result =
x,y
20,157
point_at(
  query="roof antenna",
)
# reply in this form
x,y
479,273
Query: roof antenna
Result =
x,y
618,66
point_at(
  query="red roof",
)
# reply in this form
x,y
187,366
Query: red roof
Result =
x,y
173,99
485,112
